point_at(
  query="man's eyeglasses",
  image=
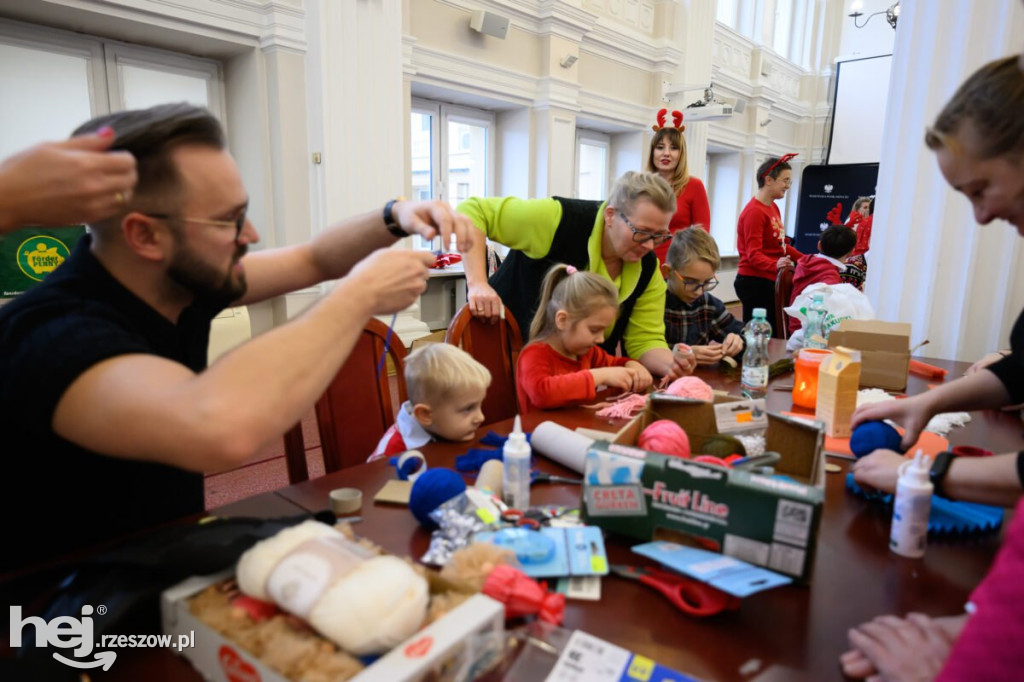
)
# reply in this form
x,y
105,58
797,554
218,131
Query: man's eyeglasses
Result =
x,y
696,284
641,236
237,224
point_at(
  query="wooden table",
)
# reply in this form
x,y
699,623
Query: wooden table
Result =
x,y
796,633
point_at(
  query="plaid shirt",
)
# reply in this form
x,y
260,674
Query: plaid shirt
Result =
x,y
698,323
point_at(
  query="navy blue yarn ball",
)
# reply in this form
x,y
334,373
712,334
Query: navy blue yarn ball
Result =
x,y
432,489
874,435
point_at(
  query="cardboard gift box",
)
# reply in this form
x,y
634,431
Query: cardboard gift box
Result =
x,y
764,520
457,643
884,350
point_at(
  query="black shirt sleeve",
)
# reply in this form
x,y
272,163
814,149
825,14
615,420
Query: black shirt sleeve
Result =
x,y
1010,370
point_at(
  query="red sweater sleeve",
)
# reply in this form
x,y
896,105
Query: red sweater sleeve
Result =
x,y
752,227
700,210
546,380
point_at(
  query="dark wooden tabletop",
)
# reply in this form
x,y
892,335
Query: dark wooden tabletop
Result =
x,y
796,633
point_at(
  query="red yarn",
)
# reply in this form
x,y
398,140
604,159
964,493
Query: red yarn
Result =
x,y
666,437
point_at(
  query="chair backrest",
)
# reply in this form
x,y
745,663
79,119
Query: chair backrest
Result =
x,y
496,347
357,407
783,291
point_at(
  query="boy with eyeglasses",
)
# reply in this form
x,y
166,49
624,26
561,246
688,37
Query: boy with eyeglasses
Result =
x,y
692,315
826,266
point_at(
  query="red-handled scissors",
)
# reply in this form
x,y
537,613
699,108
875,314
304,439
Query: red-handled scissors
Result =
x,y
692,597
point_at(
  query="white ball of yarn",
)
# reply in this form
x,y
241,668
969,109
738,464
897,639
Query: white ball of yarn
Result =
x,y
373,608
256,564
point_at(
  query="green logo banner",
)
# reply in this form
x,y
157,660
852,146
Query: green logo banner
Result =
x,y
28,255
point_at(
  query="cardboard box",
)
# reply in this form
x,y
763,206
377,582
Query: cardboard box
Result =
x,y
434,337
436,647
760,519
884,349
838,379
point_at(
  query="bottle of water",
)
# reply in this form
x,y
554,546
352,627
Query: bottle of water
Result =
x,y
814,332
754,376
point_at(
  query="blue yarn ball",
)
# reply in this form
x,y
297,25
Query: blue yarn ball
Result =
x,y
874,435
432,489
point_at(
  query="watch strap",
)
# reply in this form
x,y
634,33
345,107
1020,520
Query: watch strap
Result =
x,y
937,475
389,219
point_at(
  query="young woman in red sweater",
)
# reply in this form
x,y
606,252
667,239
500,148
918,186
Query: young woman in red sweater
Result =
x,y
761,240
668,159
564,365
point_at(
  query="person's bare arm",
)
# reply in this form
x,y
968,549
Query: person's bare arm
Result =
x,y
65,183
335,251
149,408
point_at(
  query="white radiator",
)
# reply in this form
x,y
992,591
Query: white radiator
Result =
x,y
229,329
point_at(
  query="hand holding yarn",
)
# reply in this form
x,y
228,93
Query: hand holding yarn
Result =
x,y
875,435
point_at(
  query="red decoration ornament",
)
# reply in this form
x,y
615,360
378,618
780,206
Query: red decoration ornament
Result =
x,y
783,159
524,596
835,216
677,120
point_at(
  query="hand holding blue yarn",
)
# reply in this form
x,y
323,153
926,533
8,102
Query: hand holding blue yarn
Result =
x,y
431,490
875,435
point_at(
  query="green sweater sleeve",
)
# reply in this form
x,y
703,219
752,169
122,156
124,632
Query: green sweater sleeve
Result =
x,y
646,327
527,225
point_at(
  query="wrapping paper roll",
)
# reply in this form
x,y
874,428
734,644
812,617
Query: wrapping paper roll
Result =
x,y
490,476
563,445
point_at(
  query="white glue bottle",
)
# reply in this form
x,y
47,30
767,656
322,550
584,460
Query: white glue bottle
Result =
x,y
515,480
912,507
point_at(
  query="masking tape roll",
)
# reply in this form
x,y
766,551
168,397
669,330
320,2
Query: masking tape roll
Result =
x,y
346,500
490,477
413,454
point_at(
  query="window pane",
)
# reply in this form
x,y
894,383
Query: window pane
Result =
x,y
593,171
52,100
467,161
725,12
783,27
144,87
422,176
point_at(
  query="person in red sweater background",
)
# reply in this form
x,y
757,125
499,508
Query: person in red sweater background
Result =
x,y
564,365
668,159
826,266
761,239
861,218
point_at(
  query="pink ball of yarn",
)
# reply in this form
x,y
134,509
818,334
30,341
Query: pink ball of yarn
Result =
x,y
691,387
666,437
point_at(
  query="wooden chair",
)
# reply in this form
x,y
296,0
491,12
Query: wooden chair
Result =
x,y
356,409
496,347
783,291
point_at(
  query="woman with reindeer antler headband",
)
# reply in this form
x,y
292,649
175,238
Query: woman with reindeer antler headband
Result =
x,y
668,159
761,240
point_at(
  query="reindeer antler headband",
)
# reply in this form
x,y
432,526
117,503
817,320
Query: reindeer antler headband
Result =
x,y
677,120
783,159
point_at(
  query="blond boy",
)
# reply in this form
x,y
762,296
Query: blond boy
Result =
x,y
692,315
446,389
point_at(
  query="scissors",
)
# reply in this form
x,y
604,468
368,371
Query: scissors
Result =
x,y
519,518
542,477
690,596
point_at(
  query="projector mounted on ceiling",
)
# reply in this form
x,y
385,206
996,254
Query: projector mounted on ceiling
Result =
x,y
708,112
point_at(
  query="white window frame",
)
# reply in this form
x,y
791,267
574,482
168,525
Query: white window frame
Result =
x,y
118,54
594,139
441,115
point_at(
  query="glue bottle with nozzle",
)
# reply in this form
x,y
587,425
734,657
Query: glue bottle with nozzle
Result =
x,y
912,506
515,482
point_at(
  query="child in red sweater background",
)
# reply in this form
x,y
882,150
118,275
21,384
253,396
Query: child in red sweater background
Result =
x,y
761,240
564,365
826,266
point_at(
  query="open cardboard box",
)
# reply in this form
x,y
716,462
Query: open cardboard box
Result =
x,y
760,519
455,643
884,351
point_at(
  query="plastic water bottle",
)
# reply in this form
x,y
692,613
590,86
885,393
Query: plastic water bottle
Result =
x,y
754,376
515,481
913,504
814,332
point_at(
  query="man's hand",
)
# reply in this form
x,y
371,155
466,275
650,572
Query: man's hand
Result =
x,y
431,218
393,279
485,303
877,471
65,183
911,649
733,345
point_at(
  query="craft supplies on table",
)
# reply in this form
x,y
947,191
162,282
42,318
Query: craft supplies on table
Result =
x,y
553,552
